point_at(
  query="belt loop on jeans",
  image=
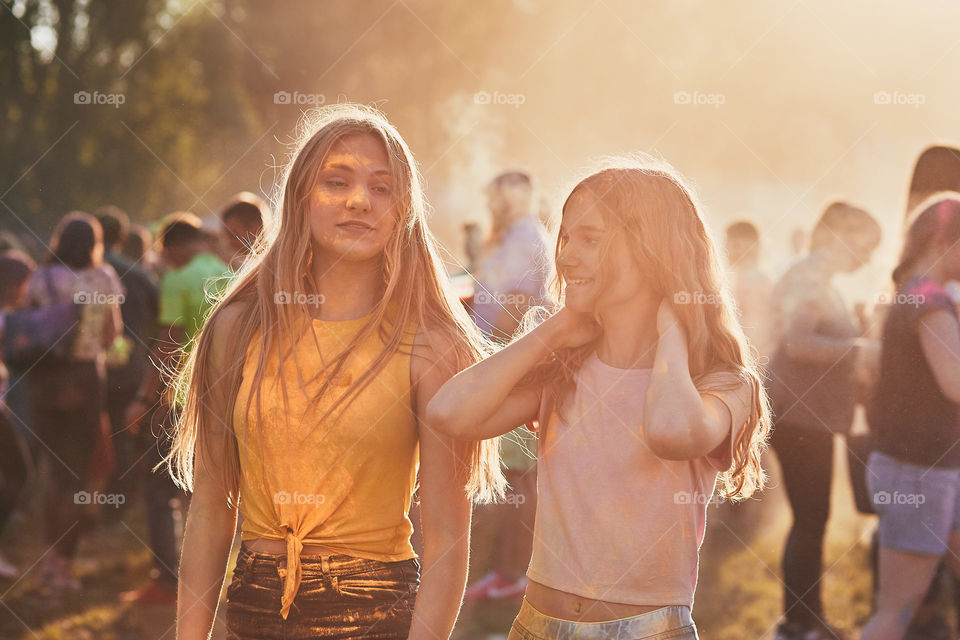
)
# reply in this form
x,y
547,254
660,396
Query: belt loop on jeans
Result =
x,y
332,581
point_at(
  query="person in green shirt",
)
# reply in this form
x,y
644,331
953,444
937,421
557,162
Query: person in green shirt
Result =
x,y
186,290
193,278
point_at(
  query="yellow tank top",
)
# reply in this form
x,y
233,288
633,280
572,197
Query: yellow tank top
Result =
x,y
345,484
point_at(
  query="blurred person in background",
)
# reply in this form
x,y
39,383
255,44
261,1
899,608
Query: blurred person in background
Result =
x,y
473,245
192,276
515,267
510,278
68,397
15,460
796,250
242,224
17,398
137,247
751,286
10,242
818,353
129,356
914,472
936,170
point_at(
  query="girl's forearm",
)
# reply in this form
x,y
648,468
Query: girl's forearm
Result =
x,y
475,393
673,411
440,595
206,549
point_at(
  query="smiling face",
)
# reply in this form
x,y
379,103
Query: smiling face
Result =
x,y
353,208
595,259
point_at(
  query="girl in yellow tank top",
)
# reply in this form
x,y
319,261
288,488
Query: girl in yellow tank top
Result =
x,y
302,405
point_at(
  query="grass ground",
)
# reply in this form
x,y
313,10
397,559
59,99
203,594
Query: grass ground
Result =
x,y
738,597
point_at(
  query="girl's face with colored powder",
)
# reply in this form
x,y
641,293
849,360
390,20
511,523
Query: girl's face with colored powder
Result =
x,y
595,260
352,211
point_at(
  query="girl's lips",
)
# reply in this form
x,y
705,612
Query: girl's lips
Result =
x,y
355,227
579,281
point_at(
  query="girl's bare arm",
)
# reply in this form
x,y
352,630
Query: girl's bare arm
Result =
x,y
680,423
211,521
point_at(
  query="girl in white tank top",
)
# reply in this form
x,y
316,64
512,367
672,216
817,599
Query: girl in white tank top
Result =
x,y
646,393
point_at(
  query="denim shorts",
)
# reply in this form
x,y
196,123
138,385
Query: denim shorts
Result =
x,y
673,623
340,597
917,506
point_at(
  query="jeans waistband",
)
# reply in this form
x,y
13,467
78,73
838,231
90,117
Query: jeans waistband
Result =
x,y
327,564
645,624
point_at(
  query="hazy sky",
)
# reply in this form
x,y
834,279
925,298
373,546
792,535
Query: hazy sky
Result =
x,y
771,108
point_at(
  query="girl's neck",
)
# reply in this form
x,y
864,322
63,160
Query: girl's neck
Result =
x,y
629,334
349,289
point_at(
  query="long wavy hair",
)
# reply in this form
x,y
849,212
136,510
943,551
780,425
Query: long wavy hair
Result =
x,y
648,203
415,291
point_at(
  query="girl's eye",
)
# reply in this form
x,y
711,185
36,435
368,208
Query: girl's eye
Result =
x,y
382,189
336,182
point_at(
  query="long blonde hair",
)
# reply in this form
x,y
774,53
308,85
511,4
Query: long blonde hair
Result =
x,y
658,214
415,289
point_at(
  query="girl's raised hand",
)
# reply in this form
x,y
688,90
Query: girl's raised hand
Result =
x,y
569,329
667,319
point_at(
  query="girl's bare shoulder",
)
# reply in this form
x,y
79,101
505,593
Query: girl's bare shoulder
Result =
x,y
434,349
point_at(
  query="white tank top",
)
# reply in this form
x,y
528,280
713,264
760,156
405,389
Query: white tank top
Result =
x,y
614,521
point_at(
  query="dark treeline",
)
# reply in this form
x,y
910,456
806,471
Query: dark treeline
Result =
x,y
197,83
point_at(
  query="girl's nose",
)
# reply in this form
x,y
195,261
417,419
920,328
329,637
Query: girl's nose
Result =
x,y
565,258
359,199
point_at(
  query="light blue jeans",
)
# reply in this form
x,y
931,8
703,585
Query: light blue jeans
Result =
x,y
674,623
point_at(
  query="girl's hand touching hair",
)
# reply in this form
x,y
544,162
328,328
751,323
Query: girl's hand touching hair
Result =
x,y
667,319
569,329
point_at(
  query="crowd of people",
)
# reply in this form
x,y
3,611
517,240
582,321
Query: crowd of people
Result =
x,y
91,417
309,379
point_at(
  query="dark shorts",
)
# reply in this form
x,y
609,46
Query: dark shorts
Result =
x,y
340,597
